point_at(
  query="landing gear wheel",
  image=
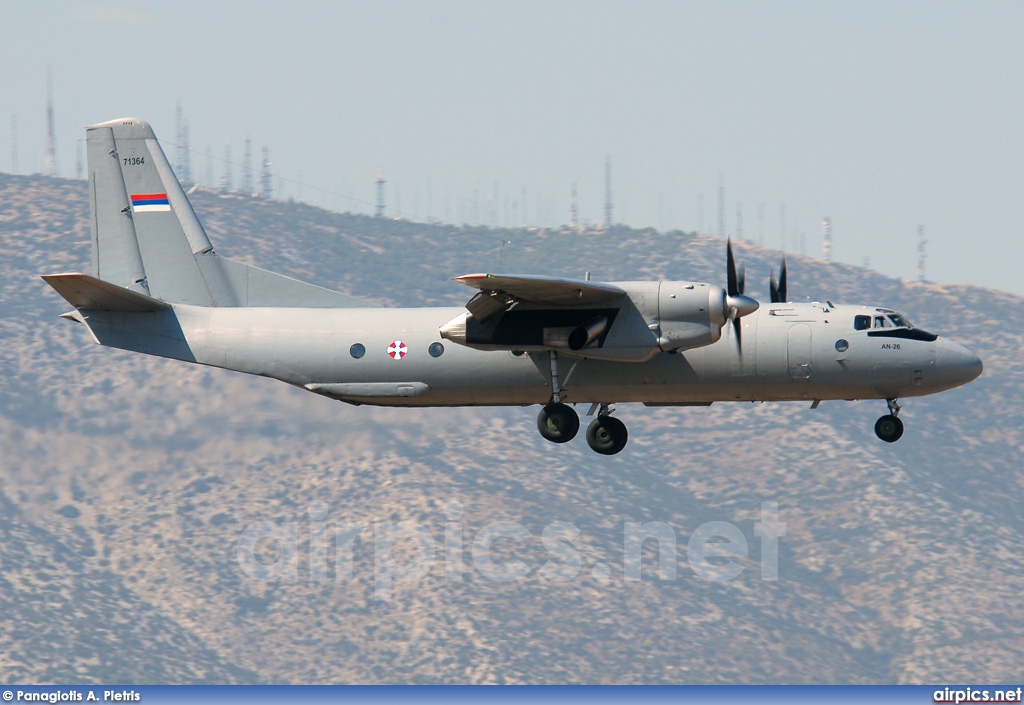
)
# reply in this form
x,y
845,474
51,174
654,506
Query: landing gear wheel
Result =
x,y
607,435
558,423
889,428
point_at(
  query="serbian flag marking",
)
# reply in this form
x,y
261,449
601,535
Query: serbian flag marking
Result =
x,y
397,350
150,202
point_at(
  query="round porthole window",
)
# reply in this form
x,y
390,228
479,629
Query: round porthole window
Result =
x,y
436,350
842,345
357,350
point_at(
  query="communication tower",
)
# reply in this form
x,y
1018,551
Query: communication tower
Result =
x,y
184,153
380,196
921,255
721,205
266,181
247,169
51,134
227,181
782,228
826,239
760,223
574,210
608,192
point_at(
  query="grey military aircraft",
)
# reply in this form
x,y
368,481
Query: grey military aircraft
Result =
x,y
160,288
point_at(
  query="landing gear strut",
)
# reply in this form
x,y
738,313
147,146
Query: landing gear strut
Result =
x,y
606,434
889,427
557,422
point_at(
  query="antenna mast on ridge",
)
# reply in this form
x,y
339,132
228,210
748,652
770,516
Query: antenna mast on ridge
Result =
x,y
51,135
380,196
921,255
607,192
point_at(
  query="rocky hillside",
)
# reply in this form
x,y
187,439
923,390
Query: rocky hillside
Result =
x,y
130,486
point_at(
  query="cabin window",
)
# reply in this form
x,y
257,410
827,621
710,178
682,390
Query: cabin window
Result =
x,y
436,350
357,350
861,322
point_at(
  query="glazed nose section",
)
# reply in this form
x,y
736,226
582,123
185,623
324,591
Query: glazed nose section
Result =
x,y
956,365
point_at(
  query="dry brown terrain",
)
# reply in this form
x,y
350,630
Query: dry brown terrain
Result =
x,y
126,483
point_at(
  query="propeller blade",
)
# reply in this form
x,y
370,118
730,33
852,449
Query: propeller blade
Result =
x,y
737,304
777,289
730,271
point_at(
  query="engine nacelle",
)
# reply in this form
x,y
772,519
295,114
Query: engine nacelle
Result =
x,y
657,317
690,315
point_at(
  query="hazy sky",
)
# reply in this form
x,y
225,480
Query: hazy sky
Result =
x,y
883,116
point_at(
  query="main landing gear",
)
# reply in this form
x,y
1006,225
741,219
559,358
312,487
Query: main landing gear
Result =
x,y
559,423
606,434
889,427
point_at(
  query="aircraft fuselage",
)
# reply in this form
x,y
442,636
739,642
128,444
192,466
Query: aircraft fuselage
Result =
x,y
792,351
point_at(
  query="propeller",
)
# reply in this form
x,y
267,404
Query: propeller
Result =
x,y
737,305
778,289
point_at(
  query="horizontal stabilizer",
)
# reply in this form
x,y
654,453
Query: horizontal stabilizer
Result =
x,y
91,294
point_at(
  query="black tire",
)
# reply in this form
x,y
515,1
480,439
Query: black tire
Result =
x,y
889,428
607,435
558,423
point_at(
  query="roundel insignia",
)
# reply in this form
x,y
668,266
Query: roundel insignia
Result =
x,y
397,350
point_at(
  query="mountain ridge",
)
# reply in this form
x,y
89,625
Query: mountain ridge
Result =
x,y
899,564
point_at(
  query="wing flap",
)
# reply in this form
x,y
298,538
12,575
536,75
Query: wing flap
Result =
x,y
88,293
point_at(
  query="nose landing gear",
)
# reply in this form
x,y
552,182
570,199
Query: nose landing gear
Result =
x,y
889,427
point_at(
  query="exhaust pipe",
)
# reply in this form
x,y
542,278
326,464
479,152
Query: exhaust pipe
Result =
x,y
576,338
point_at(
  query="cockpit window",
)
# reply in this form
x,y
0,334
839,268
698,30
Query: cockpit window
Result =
x,y
861,322
882,322
899,321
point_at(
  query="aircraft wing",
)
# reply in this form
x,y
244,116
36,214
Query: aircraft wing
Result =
x,y
498,292
548,291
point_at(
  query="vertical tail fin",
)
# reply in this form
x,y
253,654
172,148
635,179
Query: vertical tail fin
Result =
x,y
145,234
146,238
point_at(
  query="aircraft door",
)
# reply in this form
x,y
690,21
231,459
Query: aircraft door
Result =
x,y
799,349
